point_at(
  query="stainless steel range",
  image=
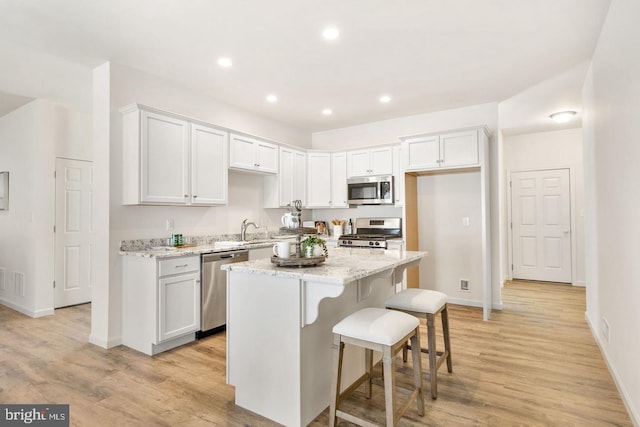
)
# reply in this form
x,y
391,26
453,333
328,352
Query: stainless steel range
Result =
x,y
372,233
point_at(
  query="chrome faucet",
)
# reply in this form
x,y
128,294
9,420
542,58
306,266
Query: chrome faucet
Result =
x,y
243,229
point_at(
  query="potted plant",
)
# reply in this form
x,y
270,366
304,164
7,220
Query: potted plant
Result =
x,y
313,246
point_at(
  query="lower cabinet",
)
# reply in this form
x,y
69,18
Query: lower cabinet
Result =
x,y
161,302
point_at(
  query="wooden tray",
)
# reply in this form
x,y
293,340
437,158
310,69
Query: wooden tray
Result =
x,y
294,261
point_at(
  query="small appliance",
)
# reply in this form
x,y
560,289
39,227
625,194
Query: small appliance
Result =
x,y
370,190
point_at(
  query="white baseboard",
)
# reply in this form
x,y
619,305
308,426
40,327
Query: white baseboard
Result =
x,y
27,312
580,284
105,343
626,399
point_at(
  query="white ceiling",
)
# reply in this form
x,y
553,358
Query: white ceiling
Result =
x,y
429,55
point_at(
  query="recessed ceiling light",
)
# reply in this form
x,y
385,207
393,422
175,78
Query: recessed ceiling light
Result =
x,y
225,62
562,116
330,33
327,112
385,98
272,99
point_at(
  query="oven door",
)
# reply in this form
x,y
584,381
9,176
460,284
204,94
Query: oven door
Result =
x,y
375,190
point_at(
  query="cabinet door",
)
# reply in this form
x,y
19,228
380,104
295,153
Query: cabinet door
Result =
x,y
299,177
242,152
459,149
164,163
285,177
358,163
319,187
381,161
179,305
266,157
398,174
209,170
422,153
339,180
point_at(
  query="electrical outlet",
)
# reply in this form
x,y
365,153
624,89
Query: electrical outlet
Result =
x,y
464,285
169,224
605,329
465,221
3,284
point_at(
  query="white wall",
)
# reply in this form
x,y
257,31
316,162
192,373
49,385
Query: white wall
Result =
x,y
553,150
455,250
39,75
612,151
30,139
446,271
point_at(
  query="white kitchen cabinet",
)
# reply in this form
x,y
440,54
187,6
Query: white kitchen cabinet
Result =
x,y
170,160
398,174
161,302
318,180
253,155
442,151
371,161
290,182
339,194
209,169
327,180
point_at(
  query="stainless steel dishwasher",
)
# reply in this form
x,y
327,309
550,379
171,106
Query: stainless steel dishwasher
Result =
x,y
213,310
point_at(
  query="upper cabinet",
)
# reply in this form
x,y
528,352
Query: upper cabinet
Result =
x,y
442,151
251,154
318,180
169,160
339,180
327,180
290,183
371,161
208,165
398,176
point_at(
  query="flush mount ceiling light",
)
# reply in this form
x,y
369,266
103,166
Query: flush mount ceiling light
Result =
x,y
562,116
330,33
385,98
272,99
327,112
225,62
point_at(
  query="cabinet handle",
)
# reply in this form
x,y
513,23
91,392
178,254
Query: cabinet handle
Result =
x,y
182,266
186,195
195,195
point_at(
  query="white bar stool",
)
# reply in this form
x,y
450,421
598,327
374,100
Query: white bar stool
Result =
x,y
385,331
426,303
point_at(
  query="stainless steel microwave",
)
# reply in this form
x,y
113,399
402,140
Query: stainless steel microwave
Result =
x,y
370,190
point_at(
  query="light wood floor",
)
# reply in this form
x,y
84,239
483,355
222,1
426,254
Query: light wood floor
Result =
x,y
534,363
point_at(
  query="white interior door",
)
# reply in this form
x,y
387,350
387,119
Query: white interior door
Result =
x,y
73,231
541,223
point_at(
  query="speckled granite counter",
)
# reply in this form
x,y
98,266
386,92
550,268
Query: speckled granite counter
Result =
x,y
342,266
148,249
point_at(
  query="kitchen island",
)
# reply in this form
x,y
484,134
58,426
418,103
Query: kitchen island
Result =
x,y
279,323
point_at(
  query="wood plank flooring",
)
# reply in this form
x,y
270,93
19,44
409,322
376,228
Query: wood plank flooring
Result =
x,y
534,363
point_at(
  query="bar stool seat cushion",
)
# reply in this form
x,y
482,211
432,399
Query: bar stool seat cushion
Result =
x,y
419,300
377,325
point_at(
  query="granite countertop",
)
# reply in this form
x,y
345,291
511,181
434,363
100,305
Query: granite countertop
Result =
x,y
342,266
220,246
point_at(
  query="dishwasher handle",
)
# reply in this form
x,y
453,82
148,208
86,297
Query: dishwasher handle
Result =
x,y
240,255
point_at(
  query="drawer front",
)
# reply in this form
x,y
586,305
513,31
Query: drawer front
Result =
x,y
180,265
